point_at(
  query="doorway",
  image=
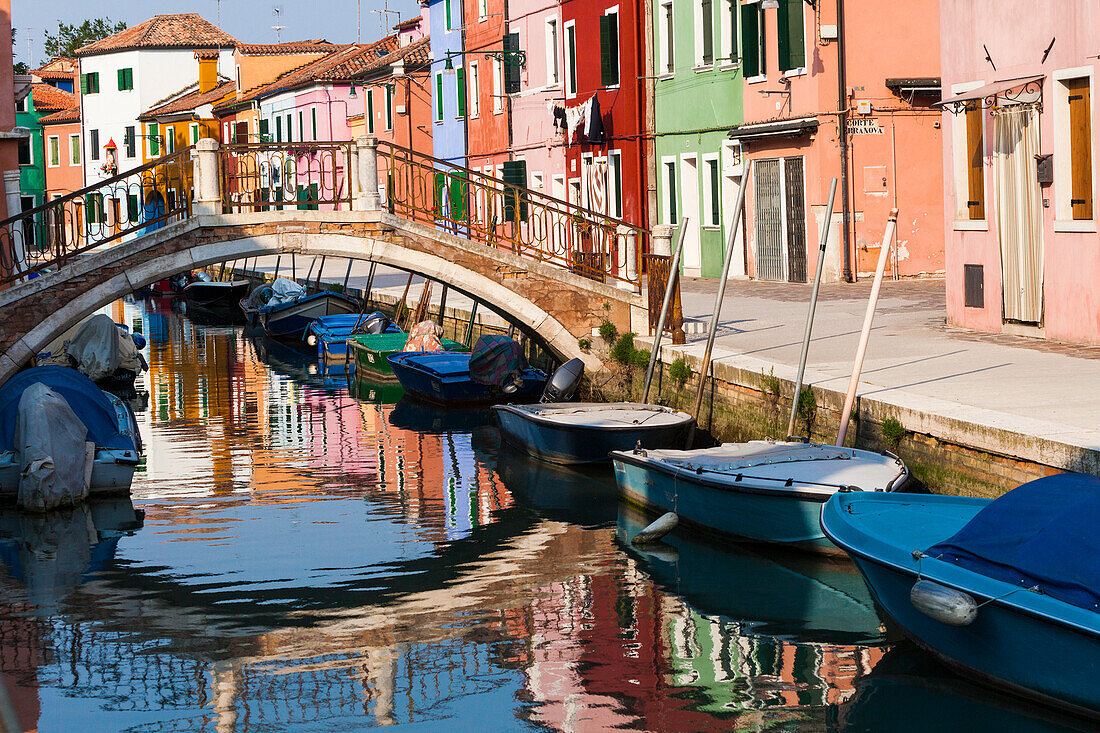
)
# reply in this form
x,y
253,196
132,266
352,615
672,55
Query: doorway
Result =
x,y
1019,211
689,204
780,226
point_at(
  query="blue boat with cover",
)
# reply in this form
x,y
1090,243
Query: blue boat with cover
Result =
x,y
330,334
109,422
1005,590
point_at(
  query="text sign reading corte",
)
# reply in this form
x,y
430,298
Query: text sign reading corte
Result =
x,y
865,127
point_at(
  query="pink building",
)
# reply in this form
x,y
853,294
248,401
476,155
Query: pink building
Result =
x,y
1020,136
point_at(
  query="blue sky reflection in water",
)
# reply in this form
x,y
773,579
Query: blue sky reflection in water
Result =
x,y
312,561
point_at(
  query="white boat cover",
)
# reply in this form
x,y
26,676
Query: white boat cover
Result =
x,y
100,348
55,457
731,457
605,414
285,291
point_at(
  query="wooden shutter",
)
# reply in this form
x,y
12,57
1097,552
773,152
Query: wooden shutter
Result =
x,y
458,192
1080,148
154,139
438,97
605,52
121,79
370,110
240,132
438,189
792,35
460,89
707,11
732,30
750,40
975,157
511,70
265,130
83,83
514,174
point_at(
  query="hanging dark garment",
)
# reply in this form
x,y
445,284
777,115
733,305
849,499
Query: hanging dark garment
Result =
x,y
593,126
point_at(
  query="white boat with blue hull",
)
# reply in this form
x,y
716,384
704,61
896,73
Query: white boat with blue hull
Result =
x,y
1006,591
586,432
763,491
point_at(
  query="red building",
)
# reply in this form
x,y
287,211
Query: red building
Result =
x,y
603,46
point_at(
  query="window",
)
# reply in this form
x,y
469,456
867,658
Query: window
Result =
x,y
667,50
132,207
728,25
225,132
538,181
609,49
313,121
570,59
438,99
301,127
290,127
240,131
170,140
21,105
615,184
93,144
670,192
704,38
93,205
712,192
792,35
475,90
25,157
975,162
460,91
154,139
125,79
389,106
551,51
238,77
89,83
511,71
54,158
370,110
447,13
194,132
128,142
1079,105
753,44
278,129
74,149
514,173
482,8
498,86
265,130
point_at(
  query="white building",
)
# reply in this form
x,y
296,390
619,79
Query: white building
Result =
x,y
125,74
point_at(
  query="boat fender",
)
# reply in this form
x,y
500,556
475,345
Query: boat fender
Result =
x,y
654,532
311,339
946,605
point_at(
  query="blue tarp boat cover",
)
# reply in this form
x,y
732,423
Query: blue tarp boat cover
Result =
x,y
494,358
1042,533
88,401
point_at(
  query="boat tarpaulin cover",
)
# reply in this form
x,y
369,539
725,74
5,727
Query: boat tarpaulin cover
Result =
x,y
425,336
54,456
494,358
738,456
259,297
100,348
285,291
1042,533
91,404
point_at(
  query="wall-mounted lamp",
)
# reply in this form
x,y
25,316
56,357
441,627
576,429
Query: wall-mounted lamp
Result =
x,y
449,68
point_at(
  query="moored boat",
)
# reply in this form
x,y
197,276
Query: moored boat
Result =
x,y
205,290
765,491
110,425
368,353
443,377
291,320
1007,591
330,334
586,432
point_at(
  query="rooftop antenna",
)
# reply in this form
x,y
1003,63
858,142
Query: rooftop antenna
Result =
x,y
358,21
277,28
382,19
29,62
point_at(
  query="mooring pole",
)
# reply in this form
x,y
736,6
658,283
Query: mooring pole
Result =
x,y
398,312
317,285
721,288
278,262
347,276
823,236
673,275
470,325
370,284
309,273
864,335
293,268
442,305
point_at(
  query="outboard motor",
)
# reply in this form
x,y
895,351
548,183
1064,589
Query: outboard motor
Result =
x,y
564,383
374,323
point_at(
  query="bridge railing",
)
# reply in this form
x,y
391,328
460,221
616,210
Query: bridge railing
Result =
x,y
125,205
509,216
277,176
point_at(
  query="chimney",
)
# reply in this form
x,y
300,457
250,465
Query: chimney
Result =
x,y
208,69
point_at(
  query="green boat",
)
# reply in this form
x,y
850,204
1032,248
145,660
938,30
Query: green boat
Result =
x,y
368,352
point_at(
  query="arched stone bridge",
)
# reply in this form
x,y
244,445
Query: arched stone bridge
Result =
x,y
546,301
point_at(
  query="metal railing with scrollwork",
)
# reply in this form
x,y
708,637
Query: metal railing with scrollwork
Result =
x,y
129,204
277,176
500,214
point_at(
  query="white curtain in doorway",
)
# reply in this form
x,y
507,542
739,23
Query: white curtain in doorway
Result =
x,y
1019,210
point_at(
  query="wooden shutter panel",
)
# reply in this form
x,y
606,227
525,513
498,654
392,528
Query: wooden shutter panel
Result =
x,y
1080,148
458,192
975,157
613,49
515,182
605,52
83,83
460,88
750,41
796,34
121,79
511,70
783,22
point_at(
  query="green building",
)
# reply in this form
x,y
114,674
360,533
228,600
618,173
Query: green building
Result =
x,y
697,99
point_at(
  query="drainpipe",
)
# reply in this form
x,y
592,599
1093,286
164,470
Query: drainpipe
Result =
x,y
842,119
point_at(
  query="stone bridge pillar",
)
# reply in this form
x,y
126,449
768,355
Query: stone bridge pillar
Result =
x,y
208,197
368,199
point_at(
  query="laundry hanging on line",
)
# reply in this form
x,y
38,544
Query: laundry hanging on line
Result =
x,y
585,118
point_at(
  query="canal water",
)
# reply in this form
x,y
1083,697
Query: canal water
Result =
x,y
301,556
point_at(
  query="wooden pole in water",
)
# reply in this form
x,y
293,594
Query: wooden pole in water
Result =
x,y
470,325
370,285
673,274
824,238
721,288
400,310
864,335
309,272
442,305
278,262
347,276
317,285
293,268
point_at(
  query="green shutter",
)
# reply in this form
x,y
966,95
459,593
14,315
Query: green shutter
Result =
x,y
370,111
447,7
459,190
154,139
750,40
83,83
613,49
132,207
437,193
460,88
792,35
95,82
733,6
511,70
514,174
605,56
122,80
439,96
313,120
129,78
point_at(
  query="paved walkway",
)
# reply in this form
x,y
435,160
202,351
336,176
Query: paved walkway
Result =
x,y
914,360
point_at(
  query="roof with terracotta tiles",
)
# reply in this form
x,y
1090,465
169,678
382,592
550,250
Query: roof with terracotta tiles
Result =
x,y
50,99
58,68
187,99
72,114
342,65
410,23
207,53
179,30
311,45
417,53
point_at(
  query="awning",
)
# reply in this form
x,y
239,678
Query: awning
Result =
x,y
1013,89
776,128
914,85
